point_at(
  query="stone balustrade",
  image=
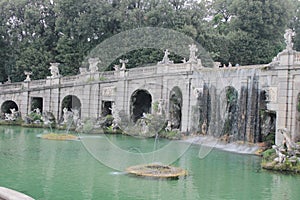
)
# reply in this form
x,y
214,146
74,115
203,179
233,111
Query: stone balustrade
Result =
x,y
69,79
142,71
11,87
113,75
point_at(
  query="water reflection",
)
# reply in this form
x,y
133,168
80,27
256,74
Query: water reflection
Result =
x,y
48,169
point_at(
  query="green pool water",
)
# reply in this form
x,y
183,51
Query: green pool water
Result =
x,y
51,170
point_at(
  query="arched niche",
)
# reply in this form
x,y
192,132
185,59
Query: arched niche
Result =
x,y
175,107
140,103
8,105
71,102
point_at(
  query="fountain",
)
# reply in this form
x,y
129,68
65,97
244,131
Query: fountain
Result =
x,y
156,171
284,157
148,127
69,119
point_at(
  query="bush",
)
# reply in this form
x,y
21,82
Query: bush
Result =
x,y
34,116
269,155
173,134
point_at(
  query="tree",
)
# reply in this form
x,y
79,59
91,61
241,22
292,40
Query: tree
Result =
x,y
3,75
29,36
263,22
295,24
37,32
253,29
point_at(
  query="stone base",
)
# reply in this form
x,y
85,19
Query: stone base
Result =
x,y
156,171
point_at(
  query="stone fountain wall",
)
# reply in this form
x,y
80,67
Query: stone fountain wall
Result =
x,y
238,103
237,112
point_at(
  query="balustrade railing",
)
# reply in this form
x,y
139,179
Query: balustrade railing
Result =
x,y
69,79
142,71
11,87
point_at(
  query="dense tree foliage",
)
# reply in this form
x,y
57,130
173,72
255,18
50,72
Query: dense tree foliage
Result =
x,y
37,32
295,24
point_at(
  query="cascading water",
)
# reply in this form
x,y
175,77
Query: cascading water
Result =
x,y
230,106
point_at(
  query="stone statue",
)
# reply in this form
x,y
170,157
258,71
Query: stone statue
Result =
x,y
288,149
48,118
37,111
281,157
66,115
76,118
11,116
93,64
13,111
193,50
8,117
169,126
116,116
229,65
8,80
28,79
289,143
117,68
288,36
145,127
197,92
204,128
199,62
123,62
166,59
54,70
160,107
82,70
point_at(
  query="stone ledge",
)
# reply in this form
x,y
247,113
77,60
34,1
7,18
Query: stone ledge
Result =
x,y
9,194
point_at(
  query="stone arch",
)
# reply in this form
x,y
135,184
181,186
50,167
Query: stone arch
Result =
x,y
229,111
204,107
140,103
71,102
7,105
175,107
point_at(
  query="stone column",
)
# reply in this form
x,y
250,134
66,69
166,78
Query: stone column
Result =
x,y
185,110
285,94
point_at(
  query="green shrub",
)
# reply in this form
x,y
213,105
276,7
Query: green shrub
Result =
x,y
173,134
34,116
269,154
155,106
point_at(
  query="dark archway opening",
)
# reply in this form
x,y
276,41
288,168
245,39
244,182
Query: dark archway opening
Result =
x,y
175,108
204,106
71,102
106,108
37,102
230,109
7,105
140,103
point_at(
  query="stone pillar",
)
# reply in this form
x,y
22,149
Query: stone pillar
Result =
x,y
85,101
186,105
94,104
285,94
25,101
295,128
52,96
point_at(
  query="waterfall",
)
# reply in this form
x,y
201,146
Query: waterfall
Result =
x,y
229,105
